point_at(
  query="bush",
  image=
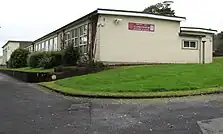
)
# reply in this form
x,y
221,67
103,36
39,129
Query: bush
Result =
x,y
34,59
83,60
46,62
70,55
49,59
98,64
18,58
56,58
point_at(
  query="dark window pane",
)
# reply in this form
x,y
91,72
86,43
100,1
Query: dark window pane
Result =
x,y
85,29
84,40
72,42
81,40
186,43
85,49
68,35
72,33
81,30
69,42
75,32
76,41
80,49
193,44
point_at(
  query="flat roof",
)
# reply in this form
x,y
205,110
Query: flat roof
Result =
x,y
197,29
139,14
116,12
16,41
192,35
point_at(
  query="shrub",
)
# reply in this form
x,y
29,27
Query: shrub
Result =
x,y
70,55
56,58
34,59
50,59
18,58
83,60
46,62
98,64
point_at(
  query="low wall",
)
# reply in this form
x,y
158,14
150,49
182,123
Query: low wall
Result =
x,y
36,77
31,77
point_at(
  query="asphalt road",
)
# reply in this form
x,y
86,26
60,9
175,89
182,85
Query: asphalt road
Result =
x,y
28,109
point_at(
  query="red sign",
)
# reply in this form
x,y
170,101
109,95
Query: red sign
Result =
x,y
141,27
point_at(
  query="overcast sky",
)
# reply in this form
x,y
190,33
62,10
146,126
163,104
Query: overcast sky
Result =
x,y
31,19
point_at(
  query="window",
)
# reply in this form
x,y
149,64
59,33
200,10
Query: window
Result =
x,y
47,45
43,45
55,44
83,39
67,38
190,44
39,48
193,44
186,43
30,48
51,45
74,37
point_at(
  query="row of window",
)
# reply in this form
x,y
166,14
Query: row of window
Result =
x,y
30,48
48,45
78,38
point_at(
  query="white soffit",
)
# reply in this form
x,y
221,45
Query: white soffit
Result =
x,y
198,30
140,15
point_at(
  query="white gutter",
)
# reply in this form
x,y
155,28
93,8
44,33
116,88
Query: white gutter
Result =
x,y
198,30
140,15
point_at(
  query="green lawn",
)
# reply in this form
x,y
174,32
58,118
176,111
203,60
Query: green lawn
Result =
x,y
28,69
150,78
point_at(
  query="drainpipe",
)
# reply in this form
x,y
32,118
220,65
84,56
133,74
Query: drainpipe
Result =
x,y
203,53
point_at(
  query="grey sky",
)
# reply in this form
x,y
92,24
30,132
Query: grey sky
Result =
x,y
31,19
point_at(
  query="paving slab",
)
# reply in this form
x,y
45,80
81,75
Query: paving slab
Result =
x,y
212,126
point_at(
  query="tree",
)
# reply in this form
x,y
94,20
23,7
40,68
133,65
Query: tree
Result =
x,y
18,58
218,43
160,9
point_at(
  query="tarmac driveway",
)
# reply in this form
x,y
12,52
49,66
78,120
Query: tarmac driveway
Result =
x,y
28,109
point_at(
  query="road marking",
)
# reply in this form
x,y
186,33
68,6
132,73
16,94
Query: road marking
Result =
x,y
213,126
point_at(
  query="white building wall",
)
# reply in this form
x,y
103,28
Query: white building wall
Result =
x,y
208,55
189,55
208,48
117,44
10,47
1,61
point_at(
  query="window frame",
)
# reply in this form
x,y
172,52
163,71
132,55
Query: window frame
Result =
x,y
77,36
74,39
68,37
55,47
47,45
39,47
51,44
191,48
83,48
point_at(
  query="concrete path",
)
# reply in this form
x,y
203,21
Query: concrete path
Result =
x,y
28,109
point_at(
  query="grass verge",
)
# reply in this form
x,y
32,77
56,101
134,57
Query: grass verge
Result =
x,y
148,80
76,92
